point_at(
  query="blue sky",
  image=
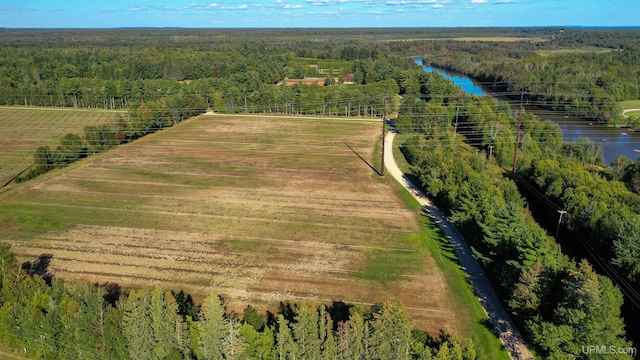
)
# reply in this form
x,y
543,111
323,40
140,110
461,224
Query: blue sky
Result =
x,y
316,13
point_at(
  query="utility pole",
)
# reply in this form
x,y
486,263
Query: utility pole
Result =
x,y
515,151
384,120
562,212
455,126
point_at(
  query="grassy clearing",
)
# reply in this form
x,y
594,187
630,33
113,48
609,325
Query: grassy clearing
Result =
x,y
559,52
474,38
24,129
630,104
500,39
390,264
258,209
464,299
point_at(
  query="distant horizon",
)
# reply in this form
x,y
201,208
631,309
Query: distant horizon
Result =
x,y
320,14
322,28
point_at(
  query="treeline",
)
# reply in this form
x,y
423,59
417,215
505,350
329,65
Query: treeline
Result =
x,y
559,303
231,74
45,318
142,119
586,83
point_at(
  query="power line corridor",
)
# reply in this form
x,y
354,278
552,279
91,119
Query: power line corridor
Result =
x,y
498,316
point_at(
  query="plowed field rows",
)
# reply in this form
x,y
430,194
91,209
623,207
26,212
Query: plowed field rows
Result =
x,y
259,210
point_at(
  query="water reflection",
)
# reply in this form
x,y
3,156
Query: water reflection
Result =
x,y
615,141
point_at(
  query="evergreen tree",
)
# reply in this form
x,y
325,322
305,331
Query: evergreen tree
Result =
x,y
391,335
138,325
115,341
213,328
287,346
260,345
306,332
166,323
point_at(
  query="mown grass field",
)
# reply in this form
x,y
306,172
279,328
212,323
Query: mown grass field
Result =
x,y
257,209
631,104
22,130
559,52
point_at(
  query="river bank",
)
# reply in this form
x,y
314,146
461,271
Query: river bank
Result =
x,y
615,141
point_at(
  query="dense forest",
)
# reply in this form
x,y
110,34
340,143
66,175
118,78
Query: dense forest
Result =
x,y
583,73
45,318
557,301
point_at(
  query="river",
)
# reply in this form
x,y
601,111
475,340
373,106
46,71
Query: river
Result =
x,y
614,141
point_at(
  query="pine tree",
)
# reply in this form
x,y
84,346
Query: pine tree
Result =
x,y
306,332
391,335
287,346
213,328
137,325
165,322
260,345
328,342
115,341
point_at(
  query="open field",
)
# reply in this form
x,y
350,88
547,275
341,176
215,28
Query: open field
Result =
x,y
630,107
22,130
630,104
558,52
258,209
473,38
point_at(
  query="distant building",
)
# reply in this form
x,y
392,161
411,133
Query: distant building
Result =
x,y
306,81
348,79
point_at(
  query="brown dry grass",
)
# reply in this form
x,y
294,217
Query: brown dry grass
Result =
x,y
259,210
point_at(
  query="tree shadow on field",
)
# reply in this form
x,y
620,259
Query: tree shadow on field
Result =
x,y
39,267
338,310
112,292
441,239
365,161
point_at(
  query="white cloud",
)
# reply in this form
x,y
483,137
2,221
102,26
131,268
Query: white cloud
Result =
x,y
212,5
243,6
288,6
438,6
109,10
136,8
478,1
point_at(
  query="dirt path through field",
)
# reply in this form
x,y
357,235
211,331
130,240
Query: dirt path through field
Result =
x,y
498,316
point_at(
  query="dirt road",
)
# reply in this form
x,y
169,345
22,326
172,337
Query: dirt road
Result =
x,y
624,112
498,316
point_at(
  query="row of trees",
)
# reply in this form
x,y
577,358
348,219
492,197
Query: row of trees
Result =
x,y
142,119
46,318
234,75
560,304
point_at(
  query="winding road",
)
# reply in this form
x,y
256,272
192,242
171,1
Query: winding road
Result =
x,y
498,316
